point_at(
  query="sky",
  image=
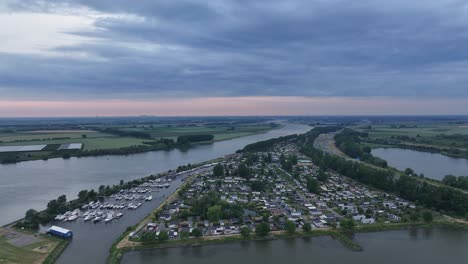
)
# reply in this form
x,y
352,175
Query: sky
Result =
x,y
233,57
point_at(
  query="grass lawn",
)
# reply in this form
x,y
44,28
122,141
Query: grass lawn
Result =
x,y
33,253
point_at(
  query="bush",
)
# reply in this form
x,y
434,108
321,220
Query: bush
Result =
x,y
427,216
290,227
306,227
245,232
262,229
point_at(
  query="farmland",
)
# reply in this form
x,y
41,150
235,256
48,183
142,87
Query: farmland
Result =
x,y
108,139
447,138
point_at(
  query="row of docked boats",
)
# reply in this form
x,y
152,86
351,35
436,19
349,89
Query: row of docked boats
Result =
x,y
97,216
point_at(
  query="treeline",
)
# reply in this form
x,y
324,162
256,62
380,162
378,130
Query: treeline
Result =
x,y
187,139
460,182
439,197
122,133
266,144
349,141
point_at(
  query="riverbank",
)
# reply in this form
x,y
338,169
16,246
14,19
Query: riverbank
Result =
x,y
422,148
137,146
346,240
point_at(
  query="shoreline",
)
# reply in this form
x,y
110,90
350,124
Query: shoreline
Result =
x,y
433,150
116,254
144,148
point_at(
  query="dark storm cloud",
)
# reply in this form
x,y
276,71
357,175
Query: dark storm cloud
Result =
x,y
242,48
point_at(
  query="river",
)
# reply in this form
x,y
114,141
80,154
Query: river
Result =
x,y
433,165
32,184
435,245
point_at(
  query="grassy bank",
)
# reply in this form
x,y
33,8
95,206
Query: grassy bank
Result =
x,y
347,241
55,254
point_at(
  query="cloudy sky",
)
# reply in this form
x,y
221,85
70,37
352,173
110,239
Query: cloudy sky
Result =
x,y
190,57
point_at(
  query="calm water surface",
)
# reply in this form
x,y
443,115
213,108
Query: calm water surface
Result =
x,y
428,246
32,184
433,165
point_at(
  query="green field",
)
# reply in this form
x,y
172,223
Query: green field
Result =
x,y
425,134
93,140
220,132
105,142
33,253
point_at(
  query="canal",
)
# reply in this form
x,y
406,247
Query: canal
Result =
x,y
432,165
428,246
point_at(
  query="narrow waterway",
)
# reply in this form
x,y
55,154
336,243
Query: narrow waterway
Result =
x,y
428,246
433,165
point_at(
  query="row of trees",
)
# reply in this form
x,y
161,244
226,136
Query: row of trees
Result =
x,y
187,139
460,182
266,144
349,141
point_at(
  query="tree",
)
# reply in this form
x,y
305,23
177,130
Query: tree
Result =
x,y
83,196
347,225
84,136
409,171
148,236
322,176
196,232
163,236
243,171
312,185
31,216
427,216
306,227
218,170
245,232
214,213
262,229
290,227
414,216
184,235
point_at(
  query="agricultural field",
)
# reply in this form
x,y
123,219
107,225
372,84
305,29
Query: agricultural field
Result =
x,y
451,138
91,141
113,139
223,132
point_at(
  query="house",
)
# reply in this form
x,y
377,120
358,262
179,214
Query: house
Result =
x,y
359,217
368,221
394,217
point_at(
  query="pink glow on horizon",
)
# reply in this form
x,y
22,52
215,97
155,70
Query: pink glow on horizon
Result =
x,y
236,106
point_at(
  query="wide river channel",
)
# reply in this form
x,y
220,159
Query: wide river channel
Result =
x,y
432,165
33,184
428,246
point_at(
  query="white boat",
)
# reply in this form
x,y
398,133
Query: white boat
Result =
x,y
96,219
72,218
149,198
118,215
88,217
